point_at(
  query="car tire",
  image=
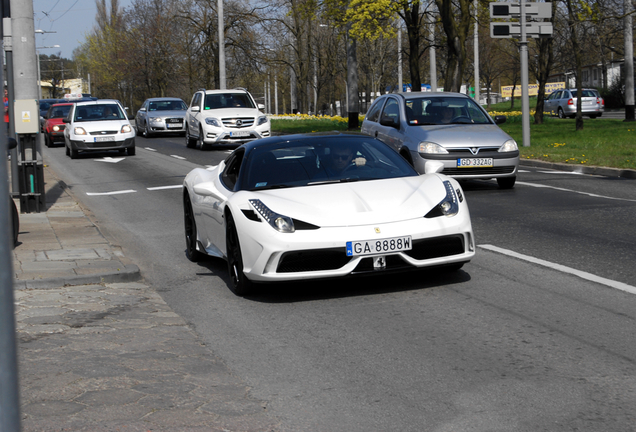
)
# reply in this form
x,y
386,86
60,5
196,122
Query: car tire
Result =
x,y
146,133
47,141
74,154
190,143
131,151
68,152
239,283
190,231
506,182
200,144
561,114
137,129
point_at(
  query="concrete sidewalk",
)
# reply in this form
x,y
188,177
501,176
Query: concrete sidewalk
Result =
x,y
99,350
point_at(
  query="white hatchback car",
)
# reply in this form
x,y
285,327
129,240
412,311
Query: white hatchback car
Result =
x,y
98,126
224,117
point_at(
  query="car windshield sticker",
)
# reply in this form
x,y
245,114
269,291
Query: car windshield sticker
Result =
x,y
261,184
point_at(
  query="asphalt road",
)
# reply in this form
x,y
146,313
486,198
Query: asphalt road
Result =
x,y
507,343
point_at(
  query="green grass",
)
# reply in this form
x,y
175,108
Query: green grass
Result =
x,y
602,142
289,126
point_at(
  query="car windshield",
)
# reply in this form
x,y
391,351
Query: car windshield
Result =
x,y
227,100
98,112
59,111
321,161
444,110
167,105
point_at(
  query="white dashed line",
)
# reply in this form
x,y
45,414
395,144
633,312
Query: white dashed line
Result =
x,y
178,157
583,275
149,149
111,193
575,191
165,187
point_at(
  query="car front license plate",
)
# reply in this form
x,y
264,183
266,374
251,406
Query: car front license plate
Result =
x,y
240,134
104,139
382,246
174,125
474,162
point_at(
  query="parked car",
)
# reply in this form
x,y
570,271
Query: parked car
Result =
x,y
447,127
322,206
161,115
98,126
54,123
562,103
224,117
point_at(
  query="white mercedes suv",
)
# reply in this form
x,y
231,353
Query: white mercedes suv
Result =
x,y
224,117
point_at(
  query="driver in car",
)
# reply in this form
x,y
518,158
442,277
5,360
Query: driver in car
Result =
x,y
342,158
447,115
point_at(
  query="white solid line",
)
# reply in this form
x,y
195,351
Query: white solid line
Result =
x,y
150,149
571,190
178,157
112,193
584,275
165,187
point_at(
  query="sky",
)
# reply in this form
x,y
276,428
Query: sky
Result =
x,y
71,20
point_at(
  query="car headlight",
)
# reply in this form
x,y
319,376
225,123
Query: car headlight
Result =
x,y
126,128
79,131
508,146
261,120
56,128
279,222
156,119
449,206
431,148
213,122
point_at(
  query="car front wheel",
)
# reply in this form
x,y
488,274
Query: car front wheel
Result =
x,y
190,143
561,113
190,231
239,283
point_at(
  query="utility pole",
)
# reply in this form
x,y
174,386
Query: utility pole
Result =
x,y
26,108
9,388
222,84
629,63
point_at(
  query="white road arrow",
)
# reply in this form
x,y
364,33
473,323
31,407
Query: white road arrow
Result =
x,y
110,160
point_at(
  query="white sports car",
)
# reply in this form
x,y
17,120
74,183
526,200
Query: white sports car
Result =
x,y
323,205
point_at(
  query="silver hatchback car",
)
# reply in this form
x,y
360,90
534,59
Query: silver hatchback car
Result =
x,y
562,103
446,127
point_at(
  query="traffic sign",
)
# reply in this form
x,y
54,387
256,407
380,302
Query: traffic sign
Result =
x,y
534,10
513,30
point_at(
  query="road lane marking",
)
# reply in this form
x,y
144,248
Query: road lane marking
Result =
x,y
178,157
165,187
109,159
150,149
112,193
583,275
575,191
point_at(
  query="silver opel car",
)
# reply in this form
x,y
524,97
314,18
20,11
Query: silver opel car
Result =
x,y
447,127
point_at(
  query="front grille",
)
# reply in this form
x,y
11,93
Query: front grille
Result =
x,y
313,260
238,122
437,247
474,151
478,171
393,262
104,133
174,120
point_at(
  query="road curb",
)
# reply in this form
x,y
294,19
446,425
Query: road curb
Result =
x,y
583,169
130,273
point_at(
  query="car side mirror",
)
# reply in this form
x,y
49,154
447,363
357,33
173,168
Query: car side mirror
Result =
x,y
500,119
389,121
141,110
196,108
261,107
